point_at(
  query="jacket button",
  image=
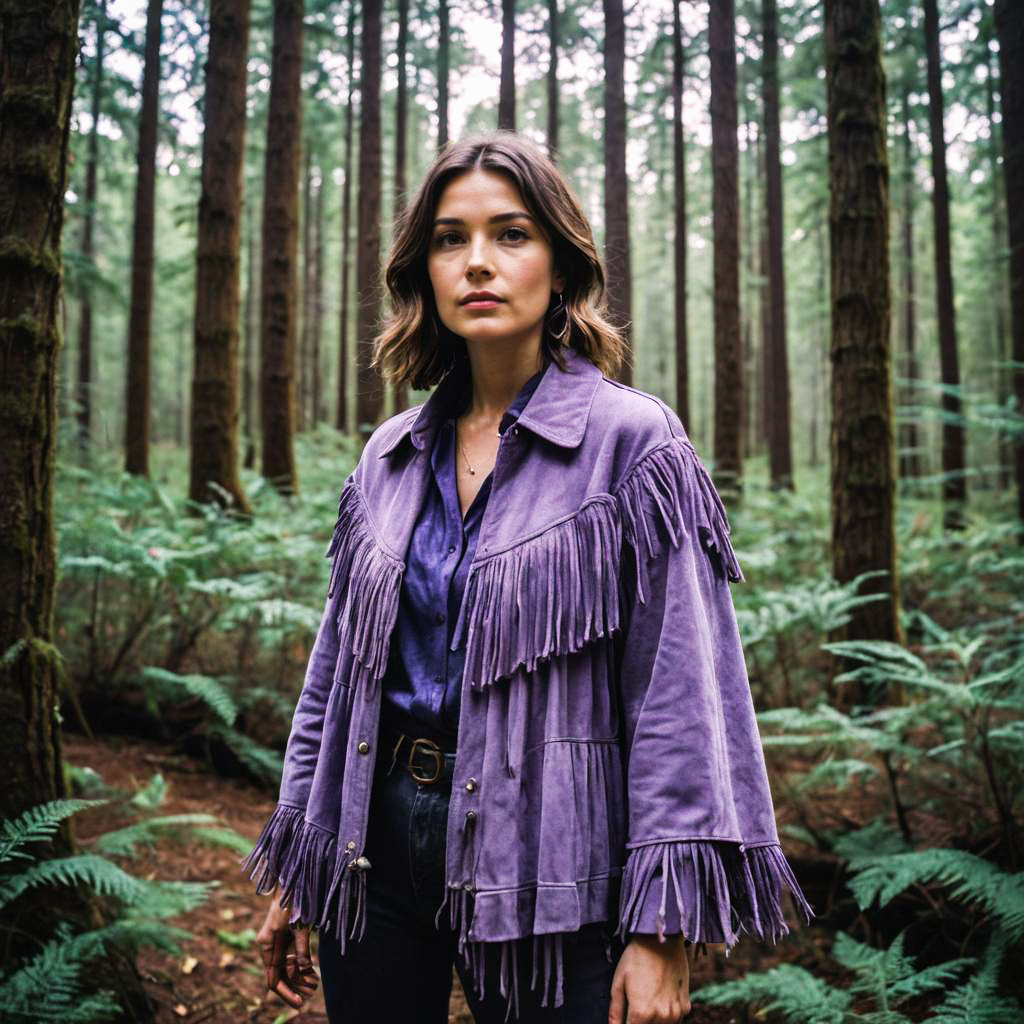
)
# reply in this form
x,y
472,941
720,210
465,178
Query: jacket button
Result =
x,y
471,815
471,785
364,747
350,845
360,864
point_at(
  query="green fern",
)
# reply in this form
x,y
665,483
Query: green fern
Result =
x,y
791,991
974,880
36,824
166,684
122,842
977,1002
263,763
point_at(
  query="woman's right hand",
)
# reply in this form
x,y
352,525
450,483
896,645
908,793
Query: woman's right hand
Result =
x,y
286,958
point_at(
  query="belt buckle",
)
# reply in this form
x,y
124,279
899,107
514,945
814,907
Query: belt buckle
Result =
x,y
429,747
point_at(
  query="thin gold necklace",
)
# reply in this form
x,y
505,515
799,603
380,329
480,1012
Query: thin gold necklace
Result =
x,y
463,448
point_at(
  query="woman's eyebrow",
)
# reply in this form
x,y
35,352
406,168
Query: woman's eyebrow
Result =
x,y
497,219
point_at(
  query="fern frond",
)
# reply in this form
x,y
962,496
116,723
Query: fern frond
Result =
x,y
37,823
977,1001
791,991
974,880
263,763
222,836
206,688
122,842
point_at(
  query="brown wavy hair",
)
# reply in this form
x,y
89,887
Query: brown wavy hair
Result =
x,y
413,346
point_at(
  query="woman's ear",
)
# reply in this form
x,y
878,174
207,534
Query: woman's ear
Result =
x,y
557,283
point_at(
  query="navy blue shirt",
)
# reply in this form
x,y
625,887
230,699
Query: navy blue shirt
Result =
x,y
421,689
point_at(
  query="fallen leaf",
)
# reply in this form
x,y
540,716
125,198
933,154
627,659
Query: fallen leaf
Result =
x,y
189,964
181,1010
227,959
227,915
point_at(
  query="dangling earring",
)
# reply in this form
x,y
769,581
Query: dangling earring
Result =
x,y
562,334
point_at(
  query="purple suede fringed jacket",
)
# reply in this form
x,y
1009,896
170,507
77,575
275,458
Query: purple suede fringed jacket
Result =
x,y
610,778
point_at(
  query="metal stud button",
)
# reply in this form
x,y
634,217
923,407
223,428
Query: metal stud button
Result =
x,y
350,845
471,815
364,747
471,785
360,864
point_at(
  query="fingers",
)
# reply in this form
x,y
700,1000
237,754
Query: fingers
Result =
x,y
617,1010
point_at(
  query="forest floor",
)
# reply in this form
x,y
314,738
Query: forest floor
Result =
x,y
219,976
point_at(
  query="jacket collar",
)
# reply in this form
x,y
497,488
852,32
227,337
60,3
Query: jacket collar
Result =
x,y
558,410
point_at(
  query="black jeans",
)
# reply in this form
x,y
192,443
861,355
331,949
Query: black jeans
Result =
x,y
400,972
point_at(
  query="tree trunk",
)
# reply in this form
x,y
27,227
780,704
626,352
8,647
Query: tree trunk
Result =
x,y
38,49
215,398
616,185
863,462
315,404
85,358
507,86
910,460
553,44
341,420
137,401
954,486
248,403
1001,347
442,74
370,392
1009,15
279,270
682,341
302,405
401,394
729,419
780,454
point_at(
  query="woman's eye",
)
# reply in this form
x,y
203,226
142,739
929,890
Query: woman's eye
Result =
x,y
522,236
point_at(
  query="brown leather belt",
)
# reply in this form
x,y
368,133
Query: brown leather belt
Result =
x,y
422,758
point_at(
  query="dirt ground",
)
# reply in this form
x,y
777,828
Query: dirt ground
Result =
x,y
219,977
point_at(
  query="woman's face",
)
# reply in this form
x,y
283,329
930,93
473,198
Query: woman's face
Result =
x,y
483,239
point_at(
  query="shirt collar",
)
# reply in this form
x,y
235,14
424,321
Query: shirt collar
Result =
x,y
556,406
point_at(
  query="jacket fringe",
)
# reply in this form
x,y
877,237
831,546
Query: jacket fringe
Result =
x,y
717,886
369,602
506,629
299,856
476,954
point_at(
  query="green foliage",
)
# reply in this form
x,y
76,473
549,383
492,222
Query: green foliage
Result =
x,y
49,986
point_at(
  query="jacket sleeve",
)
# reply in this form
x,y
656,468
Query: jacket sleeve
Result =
x,y
703,854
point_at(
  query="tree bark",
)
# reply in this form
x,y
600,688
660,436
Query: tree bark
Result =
x,y
38,49
315,403
682,341
552,80
862,454
85,357
302,405
616,185
780,453
729,418
137,401
507,87
341,421
954,485
1009,16
443,62
248,397
370,392
215,397
279,270
910,460
400,392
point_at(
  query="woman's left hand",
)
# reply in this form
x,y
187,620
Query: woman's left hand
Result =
x,y
653,979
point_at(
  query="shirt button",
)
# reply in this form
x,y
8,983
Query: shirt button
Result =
x,y
364,747
471,785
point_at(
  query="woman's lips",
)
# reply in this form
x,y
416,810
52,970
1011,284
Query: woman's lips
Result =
x,y
482,303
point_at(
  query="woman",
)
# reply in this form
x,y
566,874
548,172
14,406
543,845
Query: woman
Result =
x,y
529,627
